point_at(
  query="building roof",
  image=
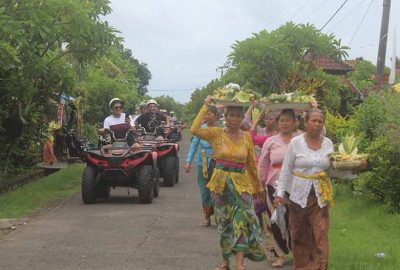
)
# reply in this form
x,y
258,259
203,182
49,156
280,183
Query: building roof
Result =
x,y
329,64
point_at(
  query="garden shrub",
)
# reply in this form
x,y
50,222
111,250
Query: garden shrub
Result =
x,y
337,126
377,123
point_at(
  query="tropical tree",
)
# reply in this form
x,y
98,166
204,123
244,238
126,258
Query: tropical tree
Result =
x,y
273,62
142,73
262,61
44,48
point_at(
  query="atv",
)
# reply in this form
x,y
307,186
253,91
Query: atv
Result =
x,y
175,134
167,154
118,164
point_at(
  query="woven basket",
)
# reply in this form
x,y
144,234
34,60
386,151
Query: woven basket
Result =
x,y
345,164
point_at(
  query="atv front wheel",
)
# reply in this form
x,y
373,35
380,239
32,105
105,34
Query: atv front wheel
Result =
x,y
168,170
103,191
177,170
89,195
156,182
146,184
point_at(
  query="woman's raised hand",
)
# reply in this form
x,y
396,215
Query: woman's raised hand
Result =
x,y
253,102
207,100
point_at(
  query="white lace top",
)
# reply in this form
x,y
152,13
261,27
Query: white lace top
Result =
x,y
300,158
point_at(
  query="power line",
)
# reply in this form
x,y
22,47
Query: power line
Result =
x,y
334,14
345,16
279,13
315,10
298,11
362,20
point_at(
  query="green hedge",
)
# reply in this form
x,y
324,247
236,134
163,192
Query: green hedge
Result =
x,y
376,123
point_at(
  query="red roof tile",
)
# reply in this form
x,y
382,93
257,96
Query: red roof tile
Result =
x,y
328,63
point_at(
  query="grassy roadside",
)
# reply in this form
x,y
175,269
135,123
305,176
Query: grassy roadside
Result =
x,y
38,194
360,229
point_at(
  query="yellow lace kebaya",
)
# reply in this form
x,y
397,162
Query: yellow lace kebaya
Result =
x,y
239,151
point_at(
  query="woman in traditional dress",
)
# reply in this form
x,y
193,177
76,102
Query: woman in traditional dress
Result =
x,y
203,164
48,143
304,174
233,183
269,167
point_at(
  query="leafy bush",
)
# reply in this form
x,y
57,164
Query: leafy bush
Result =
x,y
377,123
337,126
362,76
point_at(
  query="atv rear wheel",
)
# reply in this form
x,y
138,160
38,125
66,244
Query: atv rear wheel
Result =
x,y
168,170
146,184
89,176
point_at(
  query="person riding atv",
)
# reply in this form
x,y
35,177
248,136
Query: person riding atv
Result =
x,y
173,118
152,120
118,122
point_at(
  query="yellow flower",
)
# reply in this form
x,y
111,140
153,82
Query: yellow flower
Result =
x,y
396,88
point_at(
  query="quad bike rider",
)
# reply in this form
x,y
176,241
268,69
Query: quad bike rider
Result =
x,y
156,127
175,134
119,161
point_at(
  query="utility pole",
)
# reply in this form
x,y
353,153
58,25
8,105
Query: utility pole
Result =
x,y
380,65
222,68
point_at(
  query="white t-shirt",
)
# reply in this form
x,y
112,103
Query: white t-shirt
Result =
x,y
111,121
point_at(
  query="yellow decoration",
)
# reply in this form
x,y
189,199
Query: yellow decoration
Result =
x,y
324,185
396,88
255,113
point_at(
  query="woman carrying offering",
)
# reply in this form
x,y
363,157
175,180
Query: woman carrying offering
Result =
x,y
269,167
233,183
258,134
304,174
203,164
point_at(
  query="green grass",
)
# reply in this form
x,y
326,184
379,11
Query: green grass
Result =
x,y
40,193
360,229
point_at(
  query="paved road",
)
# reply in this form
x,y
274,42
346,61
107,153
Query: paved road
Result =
x,y
119,234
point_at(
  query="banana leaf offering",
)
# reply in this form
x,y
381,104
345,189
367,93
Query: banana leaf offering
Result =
x,y
347,156
295,100
234,96
294,97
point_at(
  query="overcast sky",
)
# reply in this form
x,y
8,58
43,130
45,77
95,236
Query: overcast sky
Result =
x,y
184,41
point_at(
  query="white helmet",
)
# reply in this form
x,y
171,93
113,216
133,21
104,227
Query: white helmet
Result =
x,y
172,112
152,101
113,101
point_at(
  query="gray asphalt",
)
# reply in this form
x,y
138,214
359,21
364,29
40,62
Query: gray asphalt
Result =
x,y
120,233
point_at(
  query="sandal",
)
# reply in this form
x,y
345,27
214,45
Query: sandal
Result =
x,y
207,223
278,263
224,267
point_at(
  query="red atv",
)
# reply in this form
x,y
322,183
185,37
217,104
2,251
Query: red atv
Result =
x,y
167,154
117,164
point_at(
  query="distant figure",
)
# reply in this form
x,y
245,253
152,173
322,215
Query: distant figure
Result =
x,y
48,147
